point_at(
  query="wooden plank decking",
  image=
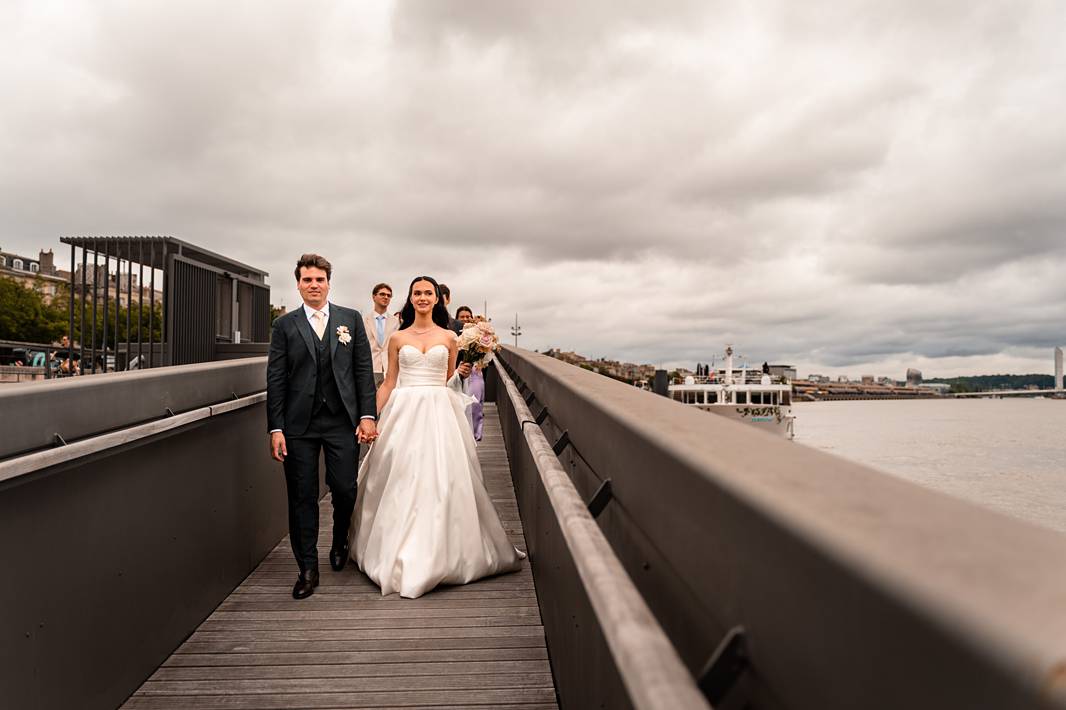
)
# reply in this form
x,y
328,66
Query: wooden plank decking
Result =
x,y
478,645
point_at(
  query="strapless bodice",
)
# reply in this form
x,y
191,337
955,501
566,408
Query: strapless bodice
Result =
x,y
422,369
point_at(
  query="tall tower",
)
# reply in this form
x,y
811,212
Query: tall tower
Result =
x,y
1058,368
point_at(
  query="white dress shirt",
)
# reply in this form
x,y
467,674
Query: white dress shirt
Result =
x,y
310,312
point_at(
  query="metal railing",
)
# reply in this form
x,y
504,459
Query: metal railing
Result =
x,y
647,664
121,539
202,298
56,412
739,377
783,576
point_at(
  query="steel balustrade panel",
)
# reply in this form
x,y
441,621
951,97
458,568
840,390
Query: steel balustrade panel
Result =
x,y
112,558
194,296
582,666
260,330
856,589
31,414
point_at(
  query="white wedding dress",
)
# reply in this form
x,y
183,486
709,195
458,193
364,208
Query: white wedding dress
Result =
x,y
423,516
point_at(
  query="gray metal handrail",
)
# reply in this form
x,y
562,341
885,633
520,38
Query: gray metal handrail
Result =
x,y
33,413
853,587
22,465
650,668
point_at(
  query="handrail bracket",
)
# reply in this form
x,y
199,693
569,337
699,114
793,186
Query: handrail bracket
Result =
x,y
727,664
600,498
562,443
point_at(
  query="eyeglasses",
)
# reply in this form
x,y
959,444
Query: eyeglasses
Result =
x,y
383,293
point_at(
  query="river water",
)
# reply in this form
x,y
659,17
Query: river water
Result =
x,y
1004,454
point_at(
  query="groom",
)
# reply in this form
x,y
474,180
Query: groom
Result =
x,y
320,396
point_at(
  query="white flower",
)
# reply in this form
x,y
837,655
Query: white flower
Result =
x,y
343,335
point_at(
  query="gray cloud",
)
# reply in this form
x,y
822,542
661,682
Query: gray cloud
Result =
x,y
857,185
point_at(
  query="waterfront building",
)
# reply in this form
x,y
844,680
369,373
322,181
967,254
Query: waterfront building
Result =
x,y
787,372
40,273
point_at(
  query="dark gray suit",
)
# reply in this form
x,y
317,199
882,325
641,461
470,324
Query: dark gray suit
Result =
x,y
317,391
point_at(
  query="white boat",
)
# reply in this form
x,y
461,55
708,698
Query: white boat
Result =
x,y
748,395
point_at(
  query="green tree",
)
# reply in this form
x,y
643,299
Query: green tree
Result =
x,y
24,315
121,332
61,304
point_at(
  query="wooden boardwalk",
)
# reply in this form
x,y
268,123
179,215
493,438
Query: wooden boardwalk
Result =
x,y
479,645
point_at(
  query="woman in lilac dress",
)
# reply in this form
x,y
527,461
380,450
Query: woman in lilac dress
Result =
x,y
474,385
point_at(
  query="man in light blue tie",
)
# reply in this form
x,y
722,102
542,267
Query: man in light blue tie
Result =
x,y
379,325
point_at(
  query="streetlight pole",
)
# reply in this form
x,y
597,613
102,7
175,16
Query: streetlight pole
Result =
x,y
516,330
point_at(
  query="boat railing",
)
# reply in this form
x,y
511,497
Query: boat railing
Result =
x,y
740,377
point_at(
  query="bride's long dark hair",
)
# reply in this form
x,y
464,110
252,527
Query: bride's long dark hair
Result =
x,y
440,311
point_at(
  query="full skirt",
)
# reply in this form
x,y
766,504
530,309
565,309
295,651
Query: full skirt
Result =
x,y
423,517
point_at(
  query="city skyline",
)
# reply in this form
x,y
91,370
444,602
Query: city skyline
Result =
x,y
851,190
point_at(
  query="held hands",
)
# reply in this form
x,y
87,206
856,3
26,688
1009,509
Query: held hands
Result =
x,y
367,431
278,452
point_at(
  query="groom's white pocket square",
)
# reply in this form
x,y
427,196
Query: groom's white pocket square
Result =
x,y
343,335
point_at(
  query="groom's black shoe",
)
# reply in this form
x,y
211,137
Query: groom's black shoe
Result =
x,y
338,556
305,585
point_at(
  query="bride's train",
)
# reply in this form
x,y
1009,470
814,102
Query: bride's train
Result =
x,y
423,517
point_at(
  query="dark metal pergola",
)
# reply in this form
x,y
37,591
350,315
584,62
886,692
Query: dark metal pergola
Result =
x,y
205,298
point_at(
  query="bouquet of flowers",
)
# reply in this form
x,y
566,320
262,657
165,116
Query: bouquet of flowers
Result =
x,y
477,343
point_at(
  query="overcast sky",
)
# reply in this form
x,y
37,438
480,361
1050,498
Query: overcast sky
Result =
x,y
852,187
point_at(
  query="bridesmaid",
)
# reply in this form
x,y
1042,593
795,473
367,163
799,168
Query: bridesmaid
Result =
x,y
474,385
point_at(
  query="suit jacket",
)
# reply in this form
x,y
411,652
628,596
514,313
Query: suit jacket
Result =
x,y
380,353
292,369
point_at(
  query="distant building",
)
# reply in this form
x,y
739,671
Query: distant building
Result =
x,y
612,368
128,285
868,379
786,371
40,273
569,357
843,379
914,377
818,378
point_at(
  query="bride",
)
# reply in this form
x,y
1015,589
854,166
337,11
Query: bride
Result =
x,y
423,516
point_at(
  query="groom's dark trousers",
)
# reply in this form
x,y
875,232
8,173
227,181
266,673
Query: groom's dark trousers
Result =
x,y
317,391
332,434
